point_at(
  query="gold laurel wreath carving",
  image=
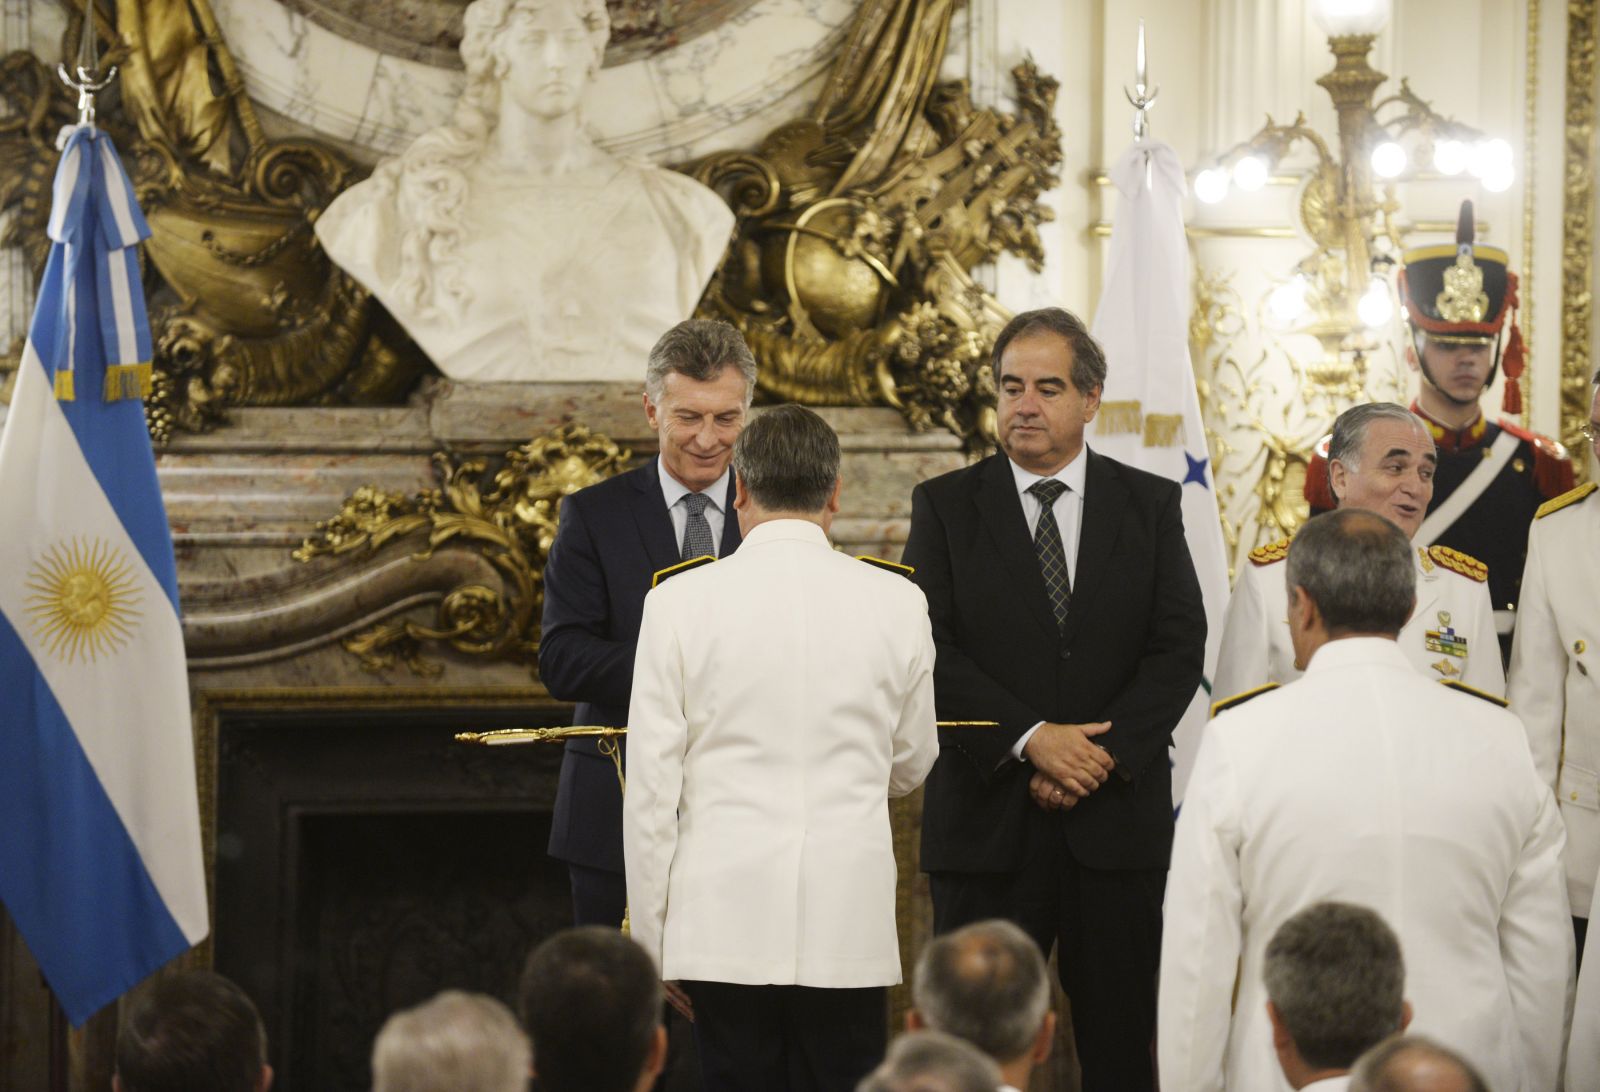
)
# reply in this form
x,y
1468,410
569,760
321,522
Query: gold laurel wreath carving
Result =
x,y
508,515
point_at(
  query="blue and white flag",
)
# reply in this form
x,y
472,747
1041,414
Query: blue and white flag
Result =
x,y
100,863
1149,411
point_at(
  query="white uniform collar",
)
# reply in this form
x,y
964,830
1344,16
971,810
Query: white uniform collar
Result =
x,y
1347,651
785,530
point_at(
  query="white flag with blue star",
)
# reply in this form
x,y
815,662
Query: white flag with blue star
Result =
x,y
1149,411
100,863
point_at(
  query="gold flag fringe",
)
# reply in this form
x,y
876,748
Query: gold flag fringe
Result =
x,y
66,389
127,381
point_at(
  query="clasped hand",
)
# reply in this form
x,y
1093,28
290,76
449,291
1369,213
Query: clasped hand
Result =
x,y
1070,764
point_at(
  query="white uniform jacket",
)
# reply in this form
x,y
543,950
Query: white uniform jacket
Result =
x,y
1555,674
1364,782
1450,634
1583,1047
780,697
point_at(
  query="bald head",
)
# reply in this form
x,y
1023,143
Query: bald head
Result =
x,y
1412,1063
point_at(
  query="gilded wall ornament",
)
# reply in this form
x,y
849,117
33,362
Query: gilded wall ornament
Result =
x,y
850,274
859,228
246,310
508,515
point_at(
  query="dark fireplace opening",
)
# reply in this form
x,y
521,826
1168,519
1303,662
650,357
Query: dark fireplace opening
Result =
x,y
365,862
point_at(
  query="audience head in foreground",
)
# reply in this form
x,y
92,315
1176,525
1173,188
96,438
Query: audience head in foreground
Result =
x,y
591,1001
1335,988
1350,574
931,1061
1414,1063
987,984
453,1042
193,1029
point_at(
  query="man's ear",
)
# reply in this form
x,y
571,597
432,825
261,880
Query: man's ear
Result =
x,y
1405,1015
1045,1041
650,412
1280,1034
1302,608
1411,355
266,1078
655,1059
833,501
741,495
1338,477
1091,404
914,1021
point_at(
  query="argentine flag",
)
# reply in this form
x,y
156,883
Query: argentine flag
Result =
x,y
1149,411
100,863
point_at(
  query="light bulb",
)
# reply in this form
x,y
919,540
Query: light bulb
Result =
x,y
1211,185
1341,17
1478,158
1250,173
1498,178
1450,157
1496,156
1388,160
1376,306
1287,302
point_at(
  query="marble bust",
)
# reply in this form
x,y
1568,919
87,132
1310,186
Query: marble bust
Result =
x,y
507,243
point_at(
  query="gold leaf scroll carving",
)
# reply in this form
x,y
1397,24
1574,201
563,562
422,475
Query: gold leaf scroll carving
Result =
x,y
859,227
245,309
508,515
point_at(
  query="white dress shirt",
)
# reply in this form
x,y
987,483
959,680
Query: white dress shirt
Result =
x,y
1069,518
1068,506
674,491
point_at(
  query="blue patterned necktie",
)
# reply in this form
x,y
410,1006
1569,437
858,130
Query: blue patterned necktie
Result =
x,y
696,532
1052,554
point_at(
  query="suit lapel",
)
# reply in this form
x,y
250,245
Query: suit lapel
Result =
x,y
1104,498
730,524
650,514
1000,512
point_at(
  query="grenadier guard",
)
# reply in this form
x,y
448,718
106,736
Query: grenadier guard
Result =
x,y
1492,476
1555,670
1383,461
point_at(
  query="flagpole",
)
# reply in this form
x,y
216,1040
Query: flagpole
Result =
x,y
1142,94
85,76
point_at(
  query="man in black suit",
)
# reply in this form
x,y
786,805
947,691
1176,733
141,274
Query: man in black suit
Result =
x,y
1065,607
613,538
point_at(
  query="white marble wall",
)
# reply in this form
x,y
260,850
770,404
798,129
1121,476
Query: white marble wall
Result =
x,y
722,89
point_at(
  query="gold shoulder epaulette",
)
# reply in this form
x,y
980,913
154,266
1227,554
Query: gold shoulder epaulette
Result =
x,y
887,566
1457,562
1475,692
1571,496
1240,699
1272,551
681,567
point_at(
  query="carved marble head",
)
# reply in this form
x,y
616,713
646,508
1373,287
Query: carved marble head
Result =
x,y
540,53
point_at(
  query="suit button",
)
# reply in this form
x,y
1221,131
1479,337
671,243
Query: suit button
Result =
x,y
1066,654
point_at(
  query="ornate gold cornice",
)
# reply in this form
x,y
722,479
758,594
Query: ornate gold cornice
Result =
x,y
1577,225
1530,159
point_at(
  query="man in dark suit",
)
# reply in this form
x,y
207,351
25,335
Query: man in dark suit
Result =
x,y
613,538
1065,607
